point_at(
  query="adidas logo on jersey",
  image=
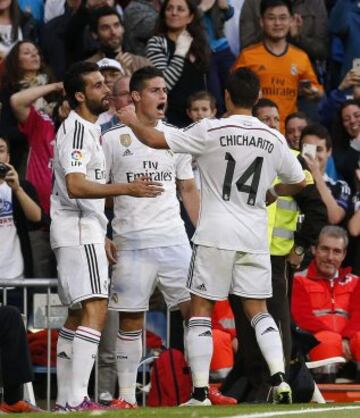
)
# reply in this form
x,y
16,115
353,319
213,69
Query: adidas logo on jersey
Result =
x,y
127,152
201,287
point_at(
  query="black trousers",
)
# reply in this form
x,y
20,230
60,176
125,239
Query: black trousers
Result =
x,y
16,366
249,360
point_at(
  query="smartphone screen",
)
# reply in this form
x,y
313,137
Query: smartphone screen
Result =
x,y
309,150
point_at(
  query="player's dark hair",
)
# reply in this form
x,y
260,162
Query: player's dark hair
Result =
x,y
243,86
139,77
319,131
201,95
263,102
97,14
74,81
267,4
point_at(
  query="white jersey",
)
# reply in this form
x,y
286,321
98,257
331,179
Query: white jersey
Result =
x,y
238,159
77,150
145,222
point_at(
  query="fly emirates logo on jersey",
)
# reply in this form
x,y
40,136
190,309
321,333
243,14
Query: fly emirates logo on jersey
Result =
x,y
152,170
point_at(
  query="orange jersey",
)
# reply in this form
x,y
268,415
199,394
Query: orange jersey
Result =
x,y
279,75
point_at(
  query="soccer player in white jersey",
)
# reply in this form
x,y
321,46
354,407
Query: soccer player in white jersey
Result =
x,y
238,158
78,230
152,245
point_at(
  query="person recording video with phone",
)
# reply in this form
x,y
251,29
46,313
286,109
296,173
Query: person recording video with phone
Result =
x,y
18,205
316,147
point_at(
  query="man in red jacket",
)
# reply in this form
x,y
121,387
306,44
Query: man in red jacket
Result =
x,y
324,299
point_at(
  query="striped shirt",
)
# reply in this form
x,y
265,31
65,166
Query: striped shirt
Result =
x,y
77,150
157,51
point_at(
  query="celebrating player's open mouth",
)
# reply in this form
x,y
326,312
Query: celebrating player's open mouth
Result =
x,y
161,107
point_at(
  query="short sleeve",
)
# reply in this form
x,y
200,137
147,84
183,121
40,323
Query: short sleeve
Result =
x,y
75,150
184,169
290,170
107,148
34,124
189,140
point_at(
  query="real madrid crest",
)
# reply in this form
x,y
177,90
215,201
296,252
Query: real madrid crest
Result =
x,y
125,140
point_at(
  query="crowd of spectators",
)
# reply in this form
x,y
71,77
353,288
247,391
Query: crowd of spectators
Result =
x,y
306,54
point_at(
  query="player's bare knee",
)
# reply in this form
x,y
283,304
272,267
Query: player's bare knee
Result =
x,y
131,321
94,313
201,306
73,319
185,309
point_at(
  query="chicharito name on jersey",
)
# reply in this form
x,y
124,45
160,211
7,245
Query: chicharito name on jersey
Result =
x,y
246,140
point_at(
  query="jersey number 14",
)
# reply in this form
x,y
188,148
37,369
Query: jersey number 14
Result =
x,y
254,171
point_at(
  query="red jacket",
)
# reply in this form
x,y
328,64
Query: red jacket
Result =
x,y
320,304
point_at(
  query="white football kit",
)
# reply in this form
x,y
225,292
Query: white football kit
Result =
x,y
153,248
78,226
238,159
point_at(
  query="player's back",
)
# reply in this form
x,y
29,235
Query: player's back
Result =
x,y
238,159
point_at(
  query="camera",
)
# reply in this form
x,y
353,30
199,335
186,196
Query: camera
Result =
x,y
3,170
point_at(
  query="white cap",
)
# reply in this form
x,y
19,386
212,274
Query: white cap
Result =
x,y
107,63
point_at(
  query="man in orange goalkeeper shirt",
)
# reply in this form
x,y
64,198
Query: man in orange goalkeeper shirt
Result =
x,y
284,70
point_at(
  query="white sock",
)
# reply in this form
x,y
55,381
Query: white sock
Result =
x,y
199,349
64,353
186,331
128,357
85,347
269,340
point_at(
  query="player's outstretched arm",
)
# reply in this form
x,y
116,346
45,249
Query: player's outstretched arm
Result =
x,y
79,187
282,189
146,134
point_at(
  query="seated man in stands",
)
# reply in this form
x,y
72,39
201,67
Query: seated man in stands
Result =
x,y
323,299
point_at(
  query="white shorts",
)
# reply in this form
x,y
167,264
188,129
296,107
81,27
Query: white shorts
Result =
x,y
138,272
83,273
215,273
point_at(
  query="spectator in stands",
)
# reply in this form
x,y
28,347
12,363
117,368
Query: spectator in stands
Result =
x,y
323,299
111,70
58,14
347,152
335,194
181,51
120,97
294,124
18,205
280,66
268,112
15,26
140,18
308,28
23,69
40,133
16,367
215,14
354,229
79,41
106,26
344,22
331,102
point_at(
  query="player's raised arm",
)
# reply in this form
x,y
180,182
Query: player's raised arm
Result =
x,y
146,134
